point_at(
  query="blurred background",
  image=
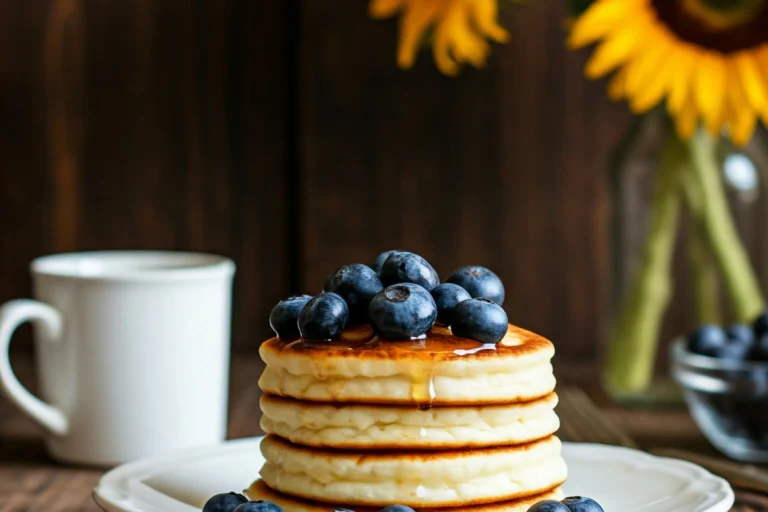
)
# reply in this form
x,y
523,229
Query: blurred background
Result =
x,y
283,135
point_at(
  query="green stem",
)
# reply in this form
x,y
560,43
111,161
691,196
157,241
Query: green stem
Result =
x,y
703,268
717,226
705,280
632,351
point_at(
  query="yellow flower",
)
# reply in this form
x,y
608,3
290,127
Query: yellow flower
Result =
x,y
707,58
460,30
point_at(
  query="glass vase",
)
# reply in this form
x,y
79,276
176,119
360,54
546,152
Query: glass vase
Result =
x,y
670,270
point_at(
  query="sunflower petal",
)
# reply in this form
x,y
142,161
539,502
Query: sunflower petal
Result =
x,y
741,116
441,53
646,65
681,81
602,18
761,57
468,45
485,15
617,49
710,88
384,8
686,119
656,85
616,87
412,27
755,88
455,41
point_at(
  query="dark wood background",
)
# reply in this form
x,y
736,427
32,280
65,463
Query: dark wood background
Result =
x,y
282,134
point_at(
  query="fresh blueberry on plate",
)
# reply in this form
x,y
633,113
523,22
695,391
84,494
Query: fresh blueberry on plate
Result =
x,y
447,296
324,317
548,506
407,267
707,340
479,282
582,504
356,284
381,258
285,314
402,311
397,508
225,502
480,319
259,506
760,324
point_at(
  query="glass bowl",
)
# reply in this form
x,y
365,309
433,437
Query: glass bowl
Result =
x,y
728,401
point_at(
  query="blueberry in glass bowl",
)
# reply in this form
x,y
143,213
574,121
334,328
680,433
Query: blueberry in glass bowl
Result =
x,y
724,376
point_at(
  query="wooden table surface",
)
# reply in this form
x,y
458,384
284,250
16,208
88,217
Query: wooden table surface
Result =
x,y
30,481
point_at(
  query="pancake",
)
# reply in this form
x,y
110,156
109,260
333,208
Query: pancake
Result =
x,y
259,491
380,427
415,478
441,370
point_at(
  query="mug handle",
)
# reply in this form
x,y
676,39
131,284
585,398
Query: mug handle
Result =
x,y
12,314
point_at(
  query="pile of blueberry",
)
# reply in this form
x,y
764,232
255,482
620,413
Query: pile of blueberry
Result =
x,y
400,295
738,342
570,504
234,502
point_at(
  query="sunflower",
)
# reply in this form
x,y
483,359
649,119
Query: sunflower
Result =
x,y
461,29
707,58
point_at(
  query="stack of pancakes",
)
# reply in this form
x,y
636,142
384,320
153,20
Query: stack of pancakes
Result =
x,y
441,423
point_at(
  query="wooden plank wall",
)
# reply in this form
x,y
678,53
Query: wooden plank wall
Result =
x,y
283,135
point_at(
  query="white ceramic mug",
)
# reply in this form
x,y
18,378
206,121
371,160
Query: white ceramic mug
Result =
x,y
132,352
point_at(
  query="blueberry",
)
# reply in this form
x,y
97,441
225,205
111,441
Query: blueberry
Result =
x,y
404,310
761,324
285,314
738,346
480,319
342,510
548,506
740,332
406,267
479,282
581,504
396,508
259,506
381,258
226,502
324,317
734,350
706,340
357,284
447,296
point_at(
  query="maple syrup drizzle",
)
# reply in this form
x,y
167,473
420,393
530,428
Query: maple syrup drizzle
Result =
x,y
439,344
423,385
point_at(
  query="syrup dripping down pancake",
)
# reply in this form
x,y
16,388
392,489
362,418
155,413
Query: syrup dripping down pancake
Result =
x,y
440,370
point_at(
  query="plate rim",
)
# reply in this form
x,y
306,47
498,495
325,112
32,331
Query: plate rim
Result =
x,y
112,492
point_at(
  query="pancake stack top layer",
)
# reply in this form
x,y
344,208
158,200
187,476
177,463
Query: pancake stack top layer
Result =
x,y
436,423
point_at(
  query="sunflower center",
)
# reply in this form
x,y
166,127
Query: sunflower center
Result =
x,y
721,25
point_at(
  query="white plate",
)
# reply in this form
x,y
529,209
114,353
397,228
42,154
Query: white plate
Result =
x,y
619,478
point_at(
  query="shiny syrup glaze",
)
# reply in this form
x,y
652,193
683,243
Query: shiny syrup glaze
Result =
x,y
437,345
